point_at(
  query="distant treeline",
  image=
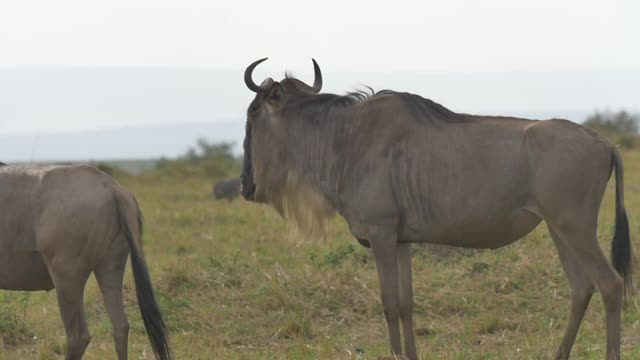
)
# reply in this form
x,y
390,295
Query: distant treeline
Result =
x,y
620,126
214,160
210,159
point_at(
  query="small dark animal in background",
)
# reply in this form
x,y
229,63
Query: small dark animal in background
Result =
x,y
227,189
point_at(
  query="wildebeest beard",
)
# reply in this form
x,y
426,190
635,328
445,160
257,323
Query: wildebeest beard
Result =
x,y
273,175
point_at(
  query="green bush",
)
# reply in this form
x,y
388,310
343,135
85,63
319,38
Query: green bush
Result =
x,y
621,122
621,127
213,160
627,141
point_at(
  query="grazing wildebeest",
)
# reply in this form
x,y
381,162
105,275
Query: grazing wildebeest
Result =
x,y
227,189
58,224
402,169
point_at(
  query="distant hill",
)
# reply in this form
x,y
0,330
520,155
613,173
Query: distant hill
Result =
x,y
145,142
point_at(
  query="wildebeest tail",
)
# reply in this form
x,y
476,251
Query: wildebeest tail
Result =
x,y
151,315
621,252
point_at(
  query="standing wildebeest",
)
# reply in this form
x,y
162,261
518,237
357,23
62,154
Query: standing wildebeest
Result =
x,y
227,189
403,169
60,223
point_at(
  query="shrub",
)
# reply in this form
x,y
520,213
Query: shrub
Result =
x,y
621,126
213,160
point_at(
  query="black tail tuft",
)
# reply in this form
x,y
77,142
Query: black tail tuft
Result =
x,y
151,315
621,252
621,255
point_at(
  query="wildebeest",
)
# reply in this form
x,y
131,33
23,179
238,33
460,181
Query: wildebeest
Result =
x,y
401,169
227,189
58,224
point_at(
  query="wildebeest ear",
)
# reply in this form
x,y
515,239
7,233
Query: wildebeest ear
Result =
x,y
275,96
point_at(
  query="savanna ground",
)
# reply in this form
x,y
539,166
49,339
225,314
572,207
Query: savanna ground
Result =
x,y
233,285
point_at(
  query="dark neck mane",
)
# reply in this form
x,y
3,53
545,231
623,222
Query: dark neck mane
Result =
x,y
424,111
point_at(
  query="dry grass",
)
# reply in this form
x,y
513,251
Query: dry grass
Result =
x,y
232,285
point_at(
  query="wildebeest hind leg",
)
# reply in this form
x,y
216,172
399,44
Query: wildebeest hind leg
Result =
x,y
109,274
70,283
581,241
581,291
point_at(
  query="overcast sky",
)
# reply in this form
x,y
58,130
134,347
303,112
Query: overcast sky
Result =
x,y
85,65
346,35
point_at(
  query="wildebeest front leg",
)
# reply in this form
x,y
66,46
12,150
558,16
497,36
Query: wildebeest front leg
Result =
x,y
406,299
385,250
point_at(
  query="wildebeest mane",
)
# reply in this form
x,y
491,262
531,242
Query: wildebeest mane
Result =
x,y
327,101
424,111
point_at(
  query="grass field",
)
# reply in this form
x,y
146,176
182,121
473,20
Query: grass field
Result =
x,y
233,285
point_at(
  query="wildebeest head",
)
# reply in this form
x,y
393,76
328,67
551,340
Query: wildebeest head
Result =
x,y
271,171
264,117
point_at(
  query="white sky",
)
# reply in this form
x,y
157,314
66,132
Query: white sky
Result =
x,y
72,66
454,35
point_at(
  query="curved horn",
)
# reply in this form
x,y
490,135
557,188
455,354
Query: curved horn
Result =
x,y
317,74
247,77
